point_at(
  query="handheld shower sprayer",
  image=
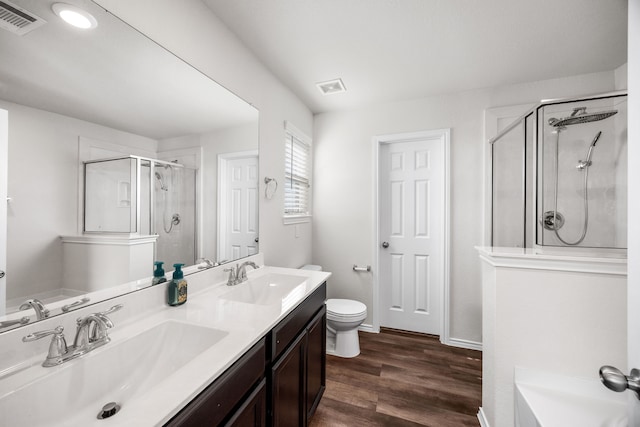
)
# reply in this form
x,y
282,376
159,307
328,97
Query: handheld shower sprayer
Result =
x,y
582,164
161,181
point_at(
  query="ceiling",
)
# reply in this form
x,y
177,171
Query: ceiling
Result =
x,y
388,50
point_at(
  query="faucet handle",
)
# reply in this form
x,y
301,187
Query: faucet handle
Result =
x,y
57,348
102,315
41,334
111,310
233,276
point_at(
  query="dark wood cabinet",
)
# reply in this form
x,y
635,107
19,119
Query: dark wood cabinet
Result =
x,y
253,412
221,399
279,382
287,386
316,361
298,375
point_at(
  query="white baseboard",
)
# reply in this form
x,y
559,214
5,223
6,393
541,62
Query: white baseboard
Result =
x,y
483,419
367,328
457,342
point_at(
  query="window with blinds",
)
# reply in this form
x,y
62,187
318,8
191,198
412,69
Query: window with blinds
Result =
x,y
297,185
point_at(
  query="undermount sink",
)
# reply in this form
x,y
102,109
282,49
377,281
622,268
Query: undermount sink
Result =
x,y
268,289
73,394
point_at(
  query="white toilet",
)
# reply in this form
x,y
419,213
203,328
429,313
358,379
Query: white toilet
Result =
x,y
343,318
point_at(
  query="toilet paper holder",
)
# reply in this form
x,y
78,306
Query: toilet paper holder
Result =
x,y
356,268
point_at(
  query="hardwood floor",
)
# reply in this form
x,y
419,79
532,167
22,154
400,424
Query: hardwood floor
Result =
x,y
402,379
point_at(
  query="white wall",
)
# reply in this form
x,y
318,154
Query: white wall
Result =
x,y
532,319
201,39
343,192
633,288
43,185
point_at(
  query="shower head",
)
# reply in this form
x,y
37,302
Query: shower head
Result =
x,y
595,140
580,116
159,178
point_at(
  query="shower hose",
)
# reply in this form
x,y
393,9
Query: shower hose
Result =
x,y
585,198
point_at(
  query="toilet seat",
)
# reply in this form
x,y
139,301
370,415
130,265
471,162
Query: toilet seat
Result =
x,y
345,309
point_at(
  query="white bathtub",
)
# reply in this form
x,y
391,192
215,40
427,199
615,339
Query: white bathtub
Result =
x,y
550,400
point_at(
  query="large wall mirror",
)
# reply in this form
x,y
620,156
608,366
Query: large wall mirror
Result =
x,y
119,154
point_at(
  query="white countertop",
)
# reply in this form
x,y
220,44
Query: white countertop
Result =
x,y
245,323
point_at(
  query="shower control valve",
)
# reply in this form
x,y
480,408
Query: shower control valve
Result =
x,y
552,220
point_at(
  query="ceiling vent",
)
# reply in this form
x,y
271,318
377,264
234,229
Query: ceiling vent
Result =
x,y
331,87
17,20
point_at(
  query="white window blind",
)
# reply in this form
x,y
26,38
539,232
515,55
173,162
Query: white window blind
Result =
x,y
297,173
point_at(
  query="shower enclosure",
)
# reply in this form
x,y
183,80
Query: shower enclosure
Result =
x,y
559,177
140,196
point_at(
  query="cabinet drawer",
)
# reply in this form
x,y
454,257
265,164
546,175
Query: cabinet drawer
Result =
x,y
216,402
286,331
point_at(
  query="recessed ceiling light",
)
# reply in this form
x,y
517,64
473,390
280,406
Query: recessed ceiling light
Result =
x,y
75,16
331,87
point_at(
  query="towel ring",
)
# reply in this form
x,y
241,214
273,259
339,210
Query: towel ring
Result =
x,y
269,189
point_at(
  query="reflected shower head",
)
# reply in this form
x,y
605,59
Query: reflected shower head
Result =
x,y
580,116
159,178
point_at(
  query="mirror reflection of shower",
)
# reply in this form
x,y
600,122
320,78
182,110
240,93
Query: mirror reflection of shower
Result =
x,y
174,214
554,220
137,196
174,219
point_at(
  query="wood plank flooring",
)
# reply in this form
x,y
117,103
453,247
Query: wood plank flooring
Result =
x,y
402,379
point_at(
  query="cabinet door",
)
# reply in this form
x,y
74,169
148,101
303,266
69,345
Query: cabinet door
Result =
x,y
252,413
316,360
288,398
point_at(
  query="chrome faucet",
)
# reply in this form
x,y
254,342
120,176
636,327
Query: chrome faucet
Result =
x,y
91,333
88,338
239,273
41,311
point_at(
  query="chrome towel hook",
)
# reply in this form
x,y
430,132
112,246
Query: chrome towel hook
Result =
x,y
269,189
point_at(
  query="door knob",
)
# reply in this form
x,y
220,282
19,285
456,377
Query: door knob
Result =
x,y
385,245
256,240
1,274
615,380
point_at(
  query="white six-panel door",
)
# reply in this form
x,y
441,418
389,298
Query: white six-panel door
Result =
x,y
239,208
411,232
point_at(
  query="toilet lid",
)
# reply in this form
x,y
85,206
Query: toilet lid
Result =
x,y
345,307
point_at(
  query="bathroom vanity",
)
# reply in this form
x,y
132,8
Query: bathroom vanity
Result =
x,y
281,378
250,354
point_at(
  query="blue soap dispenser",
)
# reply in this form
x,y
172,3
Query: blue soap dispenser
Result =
x,y
177,289
158,274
